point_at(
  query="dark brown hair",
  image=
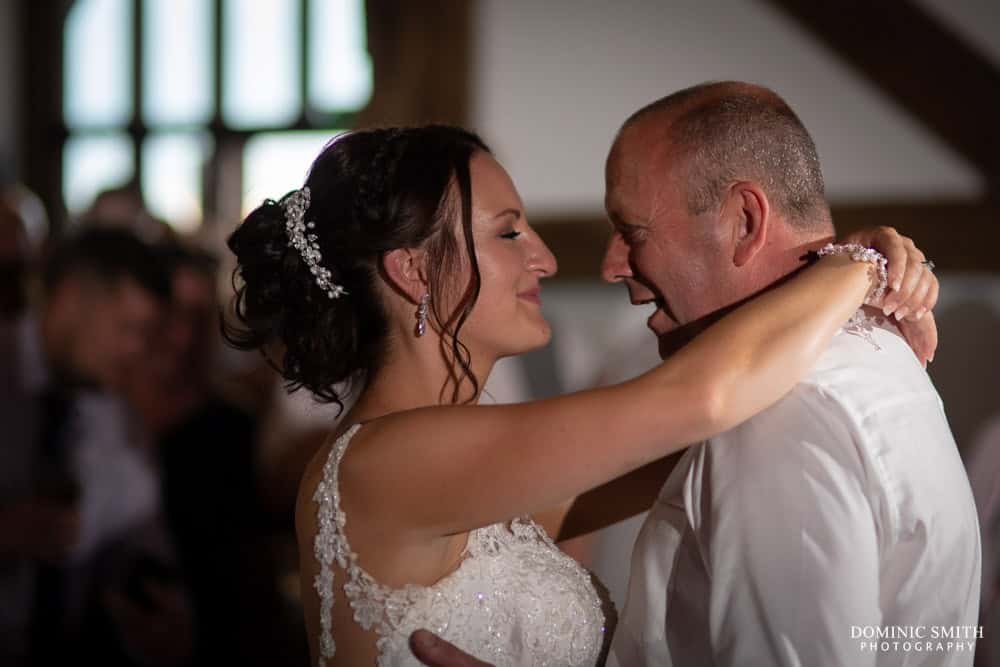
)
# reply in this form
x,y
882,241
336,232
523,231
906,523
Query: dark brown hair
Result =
x,y
372,191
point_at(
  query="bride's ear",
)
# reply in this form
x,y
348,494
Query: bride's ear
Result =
x,y
405,271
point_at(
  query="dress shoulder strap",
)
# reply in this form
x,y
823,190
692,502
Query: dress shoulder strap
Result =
x,y
331,543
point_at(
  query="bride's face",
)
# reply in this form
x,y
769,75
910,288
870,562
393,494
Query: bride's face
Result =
x,y
507,317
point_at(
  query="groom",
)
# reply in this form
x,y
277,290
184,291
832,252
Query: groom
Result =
x,y
836,527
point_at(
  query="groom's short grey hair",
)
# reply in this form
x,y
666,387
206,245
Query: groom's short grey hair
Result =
x,y
723,132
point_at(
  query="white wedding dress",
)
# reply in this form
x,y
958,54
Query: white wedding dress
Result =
x,y
515,599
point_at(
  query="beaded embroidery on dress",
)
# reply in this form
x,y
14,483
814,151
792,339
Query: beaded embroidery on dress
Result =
x,y
515,599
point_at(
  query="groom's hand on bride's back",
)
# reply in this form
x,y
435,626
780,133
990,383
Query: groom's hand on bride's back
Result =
x,y
436,652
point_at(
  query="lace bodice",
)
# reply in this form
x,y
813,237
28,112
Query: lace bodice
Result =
x,y
515,599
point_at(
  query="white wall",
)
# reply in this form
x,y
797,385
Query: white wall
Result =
x,y
555,79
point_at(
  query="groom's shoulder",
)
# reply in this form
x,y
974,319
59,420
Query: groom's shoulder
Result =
x,y
865,383
868,367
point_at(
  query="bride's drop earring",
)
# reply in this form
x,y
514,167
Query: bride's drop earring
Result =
x,y
422,315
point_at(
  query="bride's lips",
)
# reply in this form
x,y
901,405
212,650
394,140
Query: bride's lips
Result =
x,y
533,295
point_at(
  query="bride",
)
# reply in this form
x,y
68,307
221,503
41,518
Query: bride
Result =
x,y
405,267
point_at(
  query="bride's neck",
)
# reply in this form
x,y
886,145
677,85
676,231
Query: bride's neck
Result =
x,y
420,374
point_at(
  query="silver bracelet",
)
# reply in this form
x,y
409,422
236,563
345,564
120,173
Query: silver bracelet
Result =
x,y
860,253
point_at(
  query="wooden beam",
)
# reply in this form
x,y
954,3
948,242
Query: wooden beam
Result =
x,y
42,127
952,89
421,58
959,236
578,244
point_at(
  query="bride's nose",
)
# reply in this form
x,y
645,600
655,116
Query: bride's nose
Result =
x,y
540,258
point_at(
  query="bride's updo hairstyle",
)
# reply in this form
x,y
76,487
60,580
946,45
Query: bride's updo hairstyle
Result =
x,y
371,192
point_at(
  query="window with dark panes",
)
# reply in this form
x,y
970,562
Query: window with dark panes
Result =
x,y
155,89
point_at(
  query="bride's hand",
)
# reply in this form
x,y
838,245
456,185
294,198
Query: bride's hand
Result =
x,y
913,288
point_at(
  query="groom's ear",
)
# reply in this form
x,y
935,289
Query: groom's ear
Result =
x,y
748,213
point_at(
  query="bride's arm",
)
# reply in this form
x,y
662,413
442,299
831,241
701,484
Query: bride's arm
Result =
x,y
446,470
912,292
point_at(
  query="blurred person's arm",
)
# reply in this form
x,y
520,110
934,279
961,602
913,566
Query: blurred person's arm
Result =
x,y
118,486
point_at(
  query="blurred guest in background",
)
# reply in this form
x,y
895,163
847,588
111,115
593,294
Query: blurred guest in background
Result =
x,y
123,207
72,476
219,529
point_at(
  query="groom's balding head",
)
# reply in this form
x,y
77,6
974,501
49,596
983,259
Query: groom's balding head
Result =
x,y
721,132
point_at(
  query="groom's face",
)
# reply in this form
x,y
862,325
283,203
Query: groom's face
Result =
x,y
658,249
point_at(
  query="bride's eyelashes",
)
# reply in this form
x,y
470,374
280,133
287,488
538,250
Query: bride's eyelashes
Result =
x,y
511,235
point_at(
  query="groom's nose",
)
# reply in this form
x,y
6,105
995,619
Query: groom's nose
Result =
x,y
614,266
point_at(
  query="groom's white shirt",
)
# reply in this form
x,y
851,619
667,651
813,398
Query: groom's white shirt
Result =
x,y
840,512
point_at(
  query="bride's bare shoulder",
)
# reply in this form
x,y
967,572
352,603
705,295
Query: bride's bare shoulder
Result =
x,y
361,453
